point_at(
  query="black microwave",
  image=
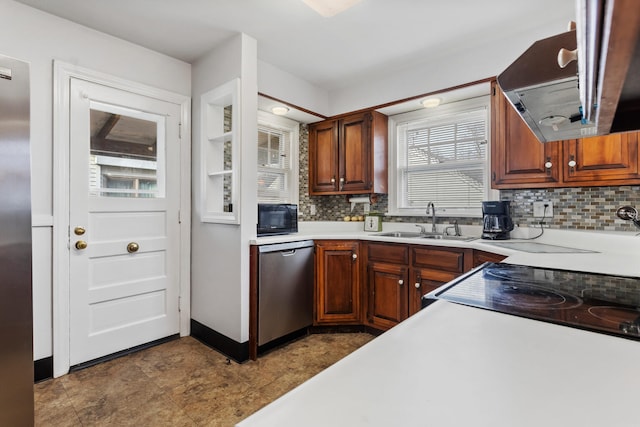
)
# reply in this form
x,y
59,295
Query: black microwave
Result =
x,y
279,218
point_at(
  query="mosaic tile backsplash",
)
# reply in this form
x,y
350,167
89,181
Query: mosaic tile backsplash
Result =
x,y
583,208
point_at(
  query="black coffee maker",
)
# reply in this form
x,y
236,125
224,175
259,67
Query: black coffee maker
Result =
x,y
496,221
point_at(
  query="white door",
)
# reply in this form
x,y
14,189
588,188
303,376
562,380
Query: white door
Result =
x,y
124,170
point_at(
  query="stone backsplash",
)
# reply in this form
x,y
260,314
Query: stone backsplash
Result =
x,y
582,208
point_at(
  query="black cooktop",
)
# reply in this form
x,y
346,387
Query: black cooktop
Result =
x,y
597,302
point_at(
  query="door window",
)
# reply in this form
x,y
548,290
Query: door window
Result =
x,y
127,153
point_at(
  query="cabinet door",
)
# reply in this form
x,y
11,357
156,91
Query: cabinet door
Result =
x,y
518,159
323,157
355,153
602,158
387,295
337,283
423,281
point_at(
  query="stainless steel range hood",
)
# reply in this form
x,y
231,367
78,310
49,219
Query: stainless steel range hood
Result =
x,y
546,95
605,78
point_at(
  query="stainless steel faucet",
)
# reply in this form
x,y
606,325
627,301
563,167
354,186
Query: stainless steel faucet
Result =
x,y
433,216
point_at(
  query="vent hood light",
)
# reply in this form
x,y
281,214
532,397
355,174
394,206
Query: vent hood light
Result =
x,y
279,111
431,102
329,8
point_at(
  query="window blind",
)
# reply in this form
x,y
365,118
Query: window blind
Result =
x,y
442,159
274,166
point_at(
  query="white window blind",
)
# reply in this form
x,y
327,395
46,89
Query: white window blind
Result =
x,y
442,158
277,168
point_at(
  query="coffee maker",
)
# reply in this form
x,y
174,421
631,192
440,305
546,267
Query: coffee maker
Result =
x,y
496,220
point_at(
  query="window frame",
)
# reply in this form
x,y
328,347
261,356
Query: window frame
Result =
x,y
395,181
280,123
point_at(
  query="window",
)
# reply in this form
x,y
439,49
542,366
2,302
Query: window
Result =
x,y
441,156
277,159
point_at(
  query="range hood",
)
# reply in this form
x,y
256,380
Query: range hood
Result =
x,y
545,95
604,79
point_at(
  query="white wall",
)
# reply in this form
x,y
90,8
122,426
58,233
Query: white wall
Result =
x,y
279,84
455,65
39,38
220,252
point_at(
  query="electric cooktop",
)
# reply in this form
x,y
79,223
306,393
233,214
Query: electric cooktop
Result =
x,y
596,302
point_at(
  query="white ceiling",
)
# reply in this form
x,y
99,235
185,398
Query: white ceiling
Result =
x,y
371,38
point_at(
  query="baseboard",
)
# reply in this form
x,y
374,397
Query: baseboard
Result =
x,y
234,350
43,369
112,356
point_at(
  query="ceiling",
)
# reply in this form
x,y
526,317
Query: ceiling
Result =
x,y
372,38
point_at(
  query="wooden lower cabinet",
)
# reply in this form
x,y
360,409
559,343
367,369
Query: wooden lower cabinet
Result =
x,y
399,275
394,279
480,257
388,297
337,291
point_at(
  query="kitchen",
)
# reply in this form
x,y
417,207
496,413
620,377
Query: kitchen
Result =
x,y
229,314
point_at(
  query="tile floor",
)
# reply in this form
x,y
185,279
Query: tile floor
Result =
x,y
184,383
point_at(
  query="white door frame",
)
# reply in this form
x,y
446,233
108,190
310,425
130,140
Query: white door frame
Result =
x,y
62,74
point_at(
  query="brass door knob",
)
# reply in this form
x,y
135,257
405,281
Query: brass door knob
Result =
x,y
132,247
79,231
81,244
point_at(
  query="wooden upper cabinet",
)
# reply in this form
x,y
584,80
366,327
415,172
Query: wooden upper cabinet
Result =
x,y
518,159
323,155
590,161
349,155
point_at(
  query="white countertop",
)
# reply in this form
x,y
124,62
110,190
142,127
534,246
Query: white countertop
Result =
x,y
615,253
453,365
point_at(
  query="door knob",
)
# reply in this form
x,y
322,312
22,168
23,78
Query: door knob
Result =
x,y
132,247
79,231
81,244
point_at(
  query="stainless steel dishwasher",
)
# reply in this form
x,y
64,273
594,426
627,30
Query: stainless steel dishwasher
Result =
x,y
285,289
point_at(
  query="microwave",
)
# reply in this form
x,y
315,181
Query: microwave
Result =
x,y
279,218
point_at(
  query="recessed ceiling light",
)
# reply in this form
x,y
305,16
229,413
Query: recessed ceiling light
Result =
x,y
328,8
431,102
279,111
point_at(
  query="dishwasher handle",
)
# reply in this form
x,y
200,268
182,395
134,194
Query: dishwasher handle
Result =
x,y
288,253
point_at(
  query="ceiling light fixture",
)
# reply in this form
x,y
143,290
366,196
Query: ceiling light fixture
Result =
x,y
431,102
329,8
279,111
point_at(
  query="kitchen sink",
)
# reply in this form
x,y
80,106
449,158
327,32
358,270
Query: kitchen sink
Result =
x,y
447,237
416,234
400,234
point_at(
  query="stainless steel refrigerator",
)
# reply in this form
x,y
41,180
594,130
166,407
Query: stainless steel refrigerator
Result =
x,y
16,320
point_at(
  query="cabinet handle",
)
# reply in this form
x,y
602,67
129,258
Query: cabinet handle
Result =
x,y
400,282
333,180
417,285
354,256
548,165
572,163
341,183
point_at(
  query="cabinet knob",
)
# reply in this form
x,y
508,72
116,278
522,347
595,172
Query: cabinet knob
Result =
x,y
354,256
400,282
566,56
548,165
333,180
572,163
417,285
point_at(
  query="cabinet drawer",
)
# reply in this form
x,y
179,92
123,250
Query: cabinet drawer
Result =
x,y
480,257
438,258
388,253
